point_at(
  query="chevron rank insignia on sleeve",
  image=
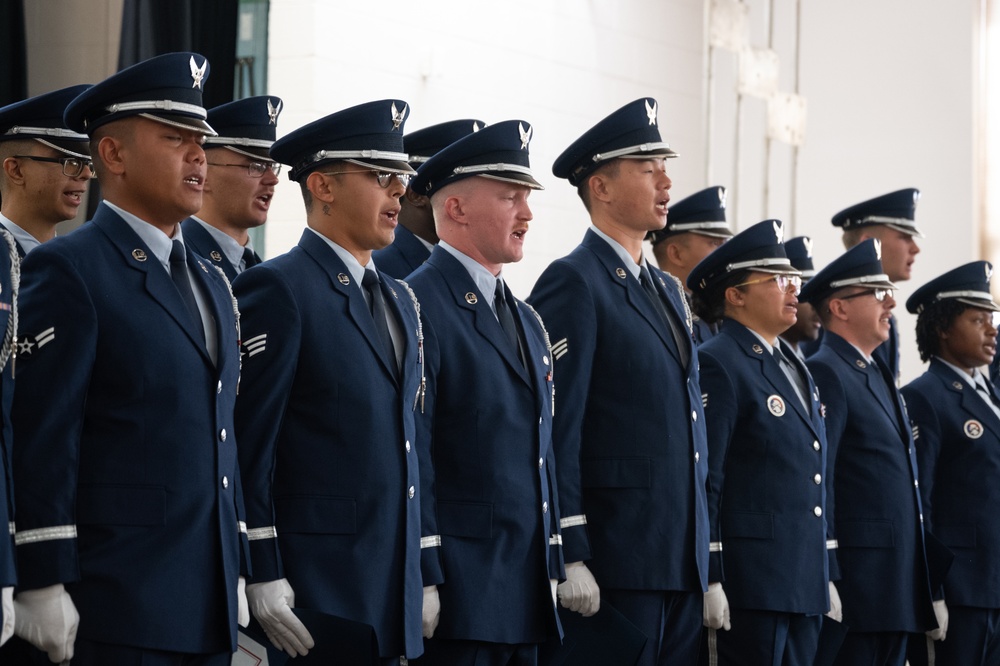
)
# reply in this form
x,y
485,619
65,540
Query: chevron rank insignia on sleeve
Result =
x,y
253,346
559,349
30,344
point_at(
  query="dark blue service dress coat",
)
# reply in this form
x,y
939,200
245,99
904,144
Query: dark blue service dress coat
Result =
x,y
403,256
489,421
872,497
767,462
10,269
629,427
128,487
205,246
957,438
328,443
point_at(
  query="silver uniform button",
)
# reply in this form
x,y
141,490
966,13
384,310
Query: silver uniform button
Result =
x,y
225,482
817,479
818,511
694,416
545,507
407,446
916,484
539,420
218,389
541,461
697,456
222,434
411,492
816,445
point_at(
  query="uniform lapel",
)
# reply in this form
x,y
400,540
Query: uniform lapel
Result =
x,y
970,402
158,283
219,302
204,245
869,373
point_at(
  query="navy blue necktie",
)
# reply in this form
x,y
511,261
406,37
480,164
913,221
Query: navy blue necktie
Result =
x,y
506,318
179,274
661,308
376,304
249,258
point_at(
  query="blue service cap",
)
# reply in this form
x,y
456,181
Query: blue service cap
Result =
x,y
499,151
424,143
246,126
630,132
968,284
861,266
799,251
701,213
759,248
41,118
166,89
369,134
895,210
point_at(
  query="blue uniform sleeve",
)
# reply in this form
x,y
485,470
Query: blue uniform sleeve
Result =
x,y
431,568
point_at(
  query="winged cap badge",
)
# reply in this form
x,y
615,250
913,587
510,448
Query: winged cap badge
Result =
x,y
722,197
198,73
779,231
878,248
273,111
475,126
525,135
989,271
807,243
398,116
651,112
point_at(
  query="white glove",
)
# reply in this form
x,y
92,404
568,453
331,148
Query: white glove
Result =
x,y
47,619
7,603
431,613
242,608
272,604
580,593
554,584
941,614
836,607
716,612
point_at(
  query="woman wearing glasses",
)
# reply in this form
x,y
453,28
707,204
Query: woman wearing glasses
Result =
x,y
955,415
872,496
769,582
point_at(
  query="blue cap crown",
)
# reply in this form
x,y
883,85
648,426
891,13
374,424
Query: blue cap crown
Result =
x,y
424,143
369,134
800,252
861,266
630,132
895,210
759,248
167,89
247,126
499,151
41,118
702,213
968,284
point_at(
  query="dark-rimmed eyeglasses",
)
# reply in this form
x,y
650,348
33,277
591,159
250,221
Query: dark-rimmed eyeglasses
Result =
x,y
255,169
785,283
880,294
71,166
384,178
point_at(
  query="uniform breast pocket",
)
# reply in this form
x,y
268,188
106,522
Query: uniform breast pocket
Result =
x,y
316,514
472,520
121,505
616,472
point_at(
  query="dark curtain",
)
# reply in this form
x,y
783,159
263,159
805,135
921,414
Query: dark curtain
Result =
x,y
208,27
13,57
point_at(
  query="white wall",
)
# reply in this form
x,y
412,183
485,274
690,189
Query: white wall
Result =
x,y
890,90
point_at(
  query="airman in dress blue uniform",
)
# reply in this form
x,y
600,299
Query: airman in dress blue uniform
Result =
x,y
955,413
873,502
808,326
128,498
332,384
489,408
890,219
240,184
416,235
629,426
696,227
768,566
46,167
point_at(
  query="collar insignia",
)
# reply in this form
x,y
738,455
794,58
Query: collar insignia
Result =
x,y
139,255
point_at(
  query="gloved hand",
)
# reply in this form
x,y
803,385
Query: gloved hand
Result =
x,y
580,592
836,607
47,619
941,614
716,612
431,613
7,603
272,604
554,584
242,608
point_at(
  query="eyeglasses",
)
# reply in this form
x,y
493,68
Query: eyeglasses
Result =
x,y
784,283
255,169
383,177
879,294
71,166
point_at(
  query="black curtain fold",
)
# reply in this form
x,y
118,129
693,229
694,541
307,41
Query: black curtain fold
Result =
x,y
13,54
